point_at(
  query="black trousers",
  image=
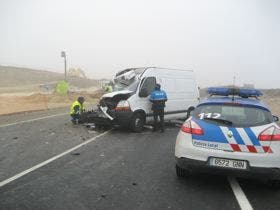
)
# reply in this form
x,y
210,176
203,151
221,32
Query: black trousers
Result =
x,y
79,118
158,113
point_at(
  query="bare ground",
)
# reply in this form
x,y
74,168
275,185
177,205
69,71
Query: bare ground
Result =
x,y
14,103
274,105
24,103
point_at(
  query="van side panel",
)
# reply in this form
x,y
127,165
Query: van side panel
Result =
x,y
181,89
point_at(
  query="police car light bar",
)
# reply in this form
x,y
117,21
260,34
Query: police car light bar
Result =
x,y
244,93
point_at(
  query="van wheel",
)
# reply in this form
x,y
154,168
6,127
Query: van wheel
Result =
x,y
180,172
137,122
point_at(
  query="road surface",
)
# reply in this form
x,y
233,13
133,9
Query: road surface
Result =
x,y
111,170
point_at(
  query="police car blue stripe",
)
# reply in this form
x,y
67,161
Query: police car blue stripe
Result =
x,y
252,136
237,136
212,133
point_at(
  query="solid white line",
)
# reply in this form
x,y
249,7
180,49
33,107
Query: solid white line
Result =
x,y
31,120
49,160
239,194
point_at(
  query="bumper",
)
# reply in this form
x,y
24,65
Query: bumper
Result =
x,y
205,167
121,118
98,118
184,148
263,164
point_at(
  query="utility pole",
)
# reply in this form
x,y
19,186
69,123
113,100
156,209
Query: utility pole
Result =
x,y
63,55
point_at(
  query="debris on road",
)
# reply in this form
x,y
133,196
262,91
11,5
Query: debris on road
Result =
x,y
90,126
90,131
75,153
148,127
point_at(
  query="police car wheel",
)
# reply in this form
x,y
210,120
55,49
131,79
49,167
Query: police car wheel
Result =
x,y
137,122
180,172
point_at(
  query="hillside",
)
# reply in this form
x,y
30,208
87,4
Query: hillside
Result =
x,y
17,77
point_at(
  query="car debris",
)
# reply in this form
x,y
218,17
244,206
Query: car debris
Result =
x,y
75,153
128,105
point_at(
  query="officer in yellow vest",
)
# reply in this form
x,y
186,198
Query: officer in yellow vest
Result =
x,y
76,110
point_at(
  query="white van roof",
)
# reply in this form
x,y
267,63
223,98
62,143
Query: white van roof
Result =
x,y
141,70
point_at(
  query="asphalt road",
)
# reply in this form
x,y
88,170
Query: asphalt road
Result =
x,y
118,170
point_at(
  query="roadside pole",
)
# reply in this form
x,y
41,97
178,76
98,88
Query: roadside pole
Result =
x,y
63,55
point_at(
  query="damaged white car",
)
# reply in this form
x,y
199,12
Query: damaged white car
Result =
x,y
128,105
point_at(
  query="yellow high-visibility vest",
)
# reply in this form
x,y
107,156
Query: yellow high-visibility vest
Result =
x,y
109,89
76,103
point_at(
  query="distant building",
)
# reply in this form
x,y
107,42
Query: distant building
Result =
x,y
248,85
104,82
72,72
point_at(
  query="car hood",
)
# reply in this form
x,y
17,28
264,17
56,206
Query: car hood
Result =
x,y
121,92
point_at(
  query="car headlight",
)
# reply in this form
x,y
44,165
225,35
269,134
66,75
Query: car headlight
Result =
x,y
122,106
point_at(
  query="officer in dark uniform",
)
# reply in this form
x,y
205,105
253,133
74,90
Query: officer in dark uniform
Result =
x,y
158,97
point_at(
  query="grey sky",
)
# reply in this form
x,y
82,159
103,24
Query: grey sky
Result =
x,y
218,38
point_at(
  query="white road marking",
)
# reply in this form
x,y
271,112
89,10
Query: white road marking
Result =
x,y
239,194
7,181
31,120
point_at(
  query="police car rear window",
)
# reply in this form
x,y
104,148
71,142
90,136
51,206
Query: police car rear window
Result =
x,y
237,116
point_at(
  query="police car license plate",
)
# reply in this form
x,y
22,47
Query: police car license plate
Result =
x,y
228,163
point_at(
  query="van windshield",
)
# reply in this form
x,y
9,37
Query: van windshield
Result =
x,y
126,85
127,79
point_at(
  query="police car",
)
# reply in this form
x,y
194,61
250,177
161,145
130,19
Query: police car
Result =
x,y
231,131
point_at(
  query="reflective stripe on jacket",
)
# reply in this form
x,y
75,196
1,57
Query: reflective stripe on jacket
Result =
x,y
158,98
79,105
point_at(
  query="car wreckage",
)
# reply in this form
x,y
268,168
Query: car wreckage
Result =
x,y
129,106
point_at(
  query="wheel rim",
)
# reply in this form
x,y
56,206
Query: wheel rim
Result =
x,y
137,122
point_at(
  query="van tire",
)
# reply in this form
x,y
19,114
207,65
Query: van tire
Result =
x,y
137,122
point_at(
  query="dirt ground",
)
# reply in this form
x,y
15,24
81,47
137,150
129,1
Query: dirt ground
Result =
x,y
13,104
16,103
274,105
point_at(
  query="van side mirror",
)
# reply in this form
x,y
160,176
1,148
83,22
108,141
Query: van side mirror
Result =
x,y
190,109
275,118
143,92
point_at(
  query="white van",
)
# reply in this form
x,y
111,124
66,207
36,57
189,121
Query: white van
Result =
x,y
129,105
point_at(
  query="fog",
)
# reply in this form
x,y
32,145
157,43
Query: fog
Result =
x,y
219,39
